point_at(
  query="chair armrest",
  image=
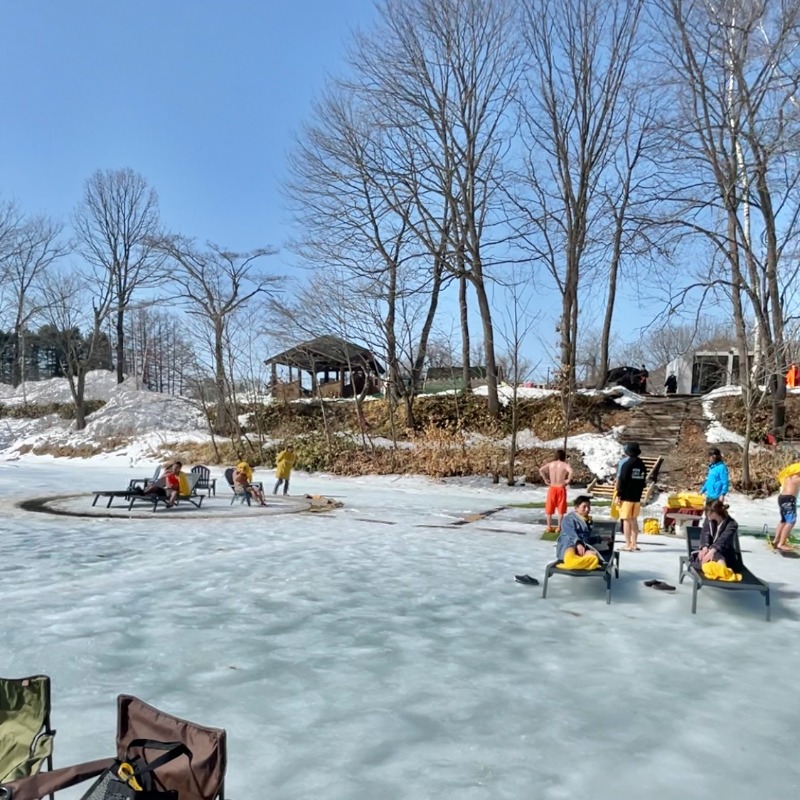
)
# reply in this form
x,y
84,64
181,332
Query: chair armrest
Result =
x,y
44,783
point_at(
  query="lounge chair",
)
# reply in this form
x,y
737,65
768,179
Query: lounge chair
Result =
x,y
154,499
26,737
200,776
748,583
603,540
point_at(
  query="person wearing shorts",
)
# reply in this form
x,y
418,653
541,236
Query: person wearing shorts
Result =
x,y
556,474
787,506
631,479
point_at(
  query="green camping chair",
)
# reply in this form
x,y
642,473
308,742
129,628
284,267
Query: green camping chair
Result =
x,y
26,738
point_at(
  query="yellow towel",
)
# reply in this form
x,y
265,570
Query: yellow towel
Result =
x,y
183,488
787,472
572,560
716,571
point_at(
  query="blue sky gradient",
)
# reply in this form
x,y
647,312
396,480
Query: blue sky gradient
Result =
x,y
201,97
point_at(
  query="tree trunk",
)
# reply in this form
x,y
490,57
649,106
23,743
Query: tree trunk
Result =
x,y
120,345
493,404
464,316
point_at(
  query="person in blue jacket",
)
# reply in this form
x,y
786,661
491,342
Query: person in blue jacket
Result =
x,y
717,482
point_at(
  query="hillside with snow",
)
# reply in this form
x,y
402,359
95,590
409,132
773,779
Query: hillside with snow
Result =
x,y
136,424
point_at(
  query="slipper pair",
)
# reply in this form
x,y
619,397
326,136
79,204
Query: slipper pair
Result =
x,y
660,585
526,579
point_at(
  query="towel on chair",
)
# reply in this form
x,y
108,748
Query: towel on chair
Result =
x,y
572,560
717,571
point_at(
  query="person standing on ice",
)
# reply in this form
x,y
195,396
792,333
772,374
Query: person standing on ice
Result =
x,y
787,505
717,482
631,479
283,468
556,474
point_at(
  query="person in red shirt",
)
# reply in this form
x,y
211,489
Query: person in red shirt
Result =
x,y
168,484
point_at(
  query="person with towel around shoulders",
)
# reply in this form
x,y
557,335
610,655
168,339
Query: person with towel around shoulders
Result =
x,y
631,480
572,546
243,478
718,558
284,464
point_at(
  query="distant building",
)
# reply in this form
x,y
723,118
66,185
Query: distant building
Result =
x,y
702,371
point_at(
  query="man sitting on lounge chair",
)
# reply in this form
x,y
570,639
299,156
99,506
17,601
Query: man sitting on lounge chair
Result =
x,y
572,547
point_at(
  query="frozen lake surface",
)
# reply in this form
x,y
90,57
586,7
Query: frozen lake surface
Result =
x,y
363,654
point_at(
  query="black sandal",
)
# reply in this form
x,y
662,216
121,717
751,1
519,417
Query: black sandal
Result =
x,y
526,580
663,587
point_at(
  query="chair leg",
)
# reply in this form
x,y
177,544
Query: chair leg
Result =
x,y
546,578
694,597
769,610
608,588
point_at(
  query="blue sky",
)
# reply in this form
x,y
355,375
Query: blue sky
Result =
x,y
201,97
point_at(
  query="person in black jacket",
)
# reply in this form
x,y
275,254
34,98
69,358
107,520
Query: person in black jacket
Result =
x,y
718,537
631,479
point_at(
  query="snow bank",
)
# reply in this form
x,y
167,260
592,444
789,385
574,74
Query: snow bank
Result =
x,y
100,385
505,393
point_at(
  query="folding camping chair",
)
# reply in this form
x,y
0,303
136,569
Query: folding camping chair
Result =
x,y
26,737
197,775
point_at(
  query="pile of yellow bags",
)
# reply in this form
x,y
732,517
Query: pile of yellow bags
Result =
x,y
686,500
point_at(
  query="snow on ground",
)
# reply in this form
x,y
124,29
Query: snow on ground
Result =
x,y
505,392
128,412
716,433
100,385
364,654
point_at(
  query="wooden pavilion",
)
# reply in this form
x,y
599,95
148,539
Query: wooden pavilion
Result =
x,y
337,368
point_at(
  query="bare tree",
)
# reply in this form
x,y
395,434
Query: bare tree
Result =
x,y
516,326
573,115
736,68
116,226
33,248
443,73
213,284
355,216
75,310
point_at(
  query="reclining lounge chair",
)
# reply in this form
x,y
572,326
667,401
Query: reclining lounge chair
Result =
x,y
199,775
26,738
603,539
748,583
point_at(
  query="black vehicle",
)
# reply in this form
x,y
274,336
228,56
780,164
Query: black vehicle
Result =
x,y
633,378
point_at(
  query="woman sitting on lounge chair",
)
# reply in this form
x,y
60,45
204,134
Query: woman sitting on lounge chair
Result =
x,y
718,552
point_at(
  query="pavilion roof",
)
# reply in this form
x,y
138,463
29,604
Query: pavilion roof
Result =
x,y
327,352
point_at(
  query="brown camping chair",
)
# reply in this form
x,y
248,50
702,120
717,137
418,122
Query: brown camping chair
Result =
x,y
200,777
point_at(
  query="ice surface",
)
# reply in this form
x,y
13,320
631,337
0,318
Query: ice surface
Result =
x,y
351,659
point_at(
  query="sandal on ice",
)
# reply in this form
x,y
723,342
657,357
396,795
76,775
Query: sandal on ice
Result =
x,y
526,579
651,582
663,587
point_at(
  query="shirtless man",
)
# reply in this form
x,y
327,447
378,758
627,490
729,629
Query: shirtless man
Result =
x,y
787,504
556,474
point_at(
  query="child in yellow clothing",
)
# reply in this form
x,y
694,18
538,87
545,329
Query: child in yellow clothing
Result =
x,y
572,548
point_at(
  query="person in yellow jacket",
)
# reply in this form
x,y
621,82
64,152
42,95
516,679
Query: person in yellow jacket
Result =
x,y
283,468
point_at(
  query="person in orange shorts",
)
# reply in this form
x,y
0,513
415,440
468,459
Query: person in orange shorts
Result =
x,y
556,474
